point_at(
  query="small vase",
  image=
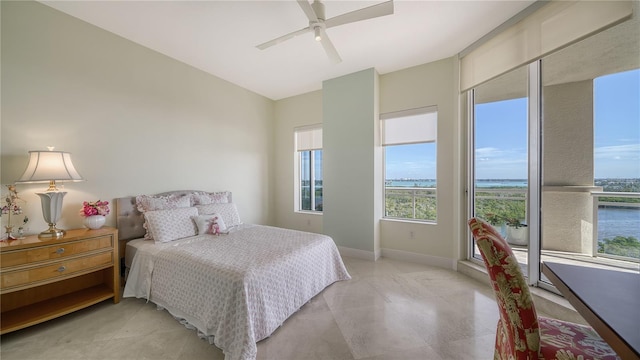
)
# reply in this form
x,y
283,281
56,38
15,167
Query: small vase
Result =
x,y
94,222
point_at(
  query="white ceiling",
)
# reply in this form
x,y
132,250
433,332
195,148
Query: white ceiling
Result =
x,y
220,37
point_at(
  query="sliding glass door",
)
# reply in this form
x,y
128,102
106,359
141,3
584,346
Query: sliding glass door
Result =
x,y
555,155
591,155
500,180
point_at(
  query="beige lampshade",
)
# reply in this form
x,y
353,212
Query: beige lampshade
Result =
x,y
50,166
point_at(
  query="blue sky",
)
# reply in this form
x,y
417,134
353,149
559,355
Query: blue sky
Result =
x,y
501,140
617,126
501,137
413,161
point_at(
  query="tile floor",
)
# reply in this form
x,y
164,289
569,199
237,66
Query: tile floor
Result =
x,y
389,310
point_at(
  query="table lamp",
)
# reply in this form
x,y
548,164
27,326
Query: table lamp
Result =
x,y
50,166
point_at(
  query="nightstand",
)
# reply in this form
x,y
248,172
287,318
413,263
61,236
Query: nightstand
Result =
x,y
42,279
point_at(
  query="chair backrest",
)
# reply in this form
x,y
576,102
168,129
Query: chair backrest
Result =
x,y
517,312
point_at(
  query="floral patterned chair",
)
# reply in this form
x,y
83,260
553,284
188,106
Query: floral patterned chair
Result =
x,y
521,334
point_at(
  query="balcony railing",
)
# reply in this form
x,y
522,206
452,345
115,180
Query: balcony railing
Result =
x,y
513,202
417,203
624,217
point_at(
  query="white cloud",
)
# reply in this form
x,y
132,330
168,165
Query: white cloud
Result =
x,y
618,161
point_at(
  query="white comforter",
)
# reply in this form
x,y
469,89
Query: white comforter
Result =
x,y
238,287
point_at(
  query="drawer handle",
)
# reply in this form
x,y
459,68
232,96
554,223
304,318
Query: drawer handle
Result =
x,y
60,251
62,268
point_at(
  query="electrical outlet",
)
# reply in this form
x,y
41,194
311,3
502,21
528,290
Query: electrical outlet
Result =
x,y
411,234
308,222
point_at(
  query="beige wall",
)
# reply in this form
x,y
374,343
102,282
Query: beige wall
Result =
x,y
136,121
301,110
139,122
424,85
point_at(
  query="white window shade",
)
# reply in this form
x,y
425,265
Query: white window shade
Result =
x,y
410,127
550,28
308,138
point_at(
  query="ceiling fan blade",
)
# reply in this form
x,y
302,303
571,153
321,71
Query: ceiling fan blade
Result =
x,y
308,10
282,38
382,9
331,51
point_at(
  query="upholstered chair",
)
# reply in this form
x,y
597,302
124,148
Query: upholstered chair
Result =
x,y
521,334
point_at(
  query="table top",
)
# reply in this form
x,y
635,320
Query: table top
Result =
x,y
73,234
608,300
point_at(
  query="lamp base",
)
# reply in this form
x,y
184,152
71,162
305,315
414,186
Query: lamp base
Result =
x,y
51,210
52,233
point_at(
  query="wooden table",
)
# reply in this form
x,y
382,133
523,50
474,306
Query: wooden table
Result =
x,y
608,300
41,279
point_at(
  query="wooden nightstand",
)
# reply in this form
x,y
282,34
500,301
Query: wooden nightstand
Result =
x,y
42,279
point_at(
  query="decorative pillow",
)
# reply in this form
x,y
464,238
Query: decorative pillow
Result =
x,y
146,203
202,198
171,224
228,212
209,224
150,202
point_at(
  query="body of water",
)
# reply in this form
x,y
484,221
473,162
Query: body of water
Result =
x,y
612,221
410,183
479,183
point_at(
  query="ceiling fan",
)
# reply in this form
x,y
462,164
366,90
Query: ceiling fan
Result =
x,y
318,23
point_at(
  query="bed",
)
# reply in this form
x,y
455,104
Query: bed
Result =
x,y
235,287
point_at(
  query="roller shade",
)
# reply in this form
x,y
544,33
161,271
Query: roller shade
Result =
x,y
308,138
410,127
548,29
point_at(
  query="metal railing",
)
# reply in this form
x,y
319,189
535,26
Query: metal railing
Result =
x,y
415,203
501,204
418,203
621,248
502,194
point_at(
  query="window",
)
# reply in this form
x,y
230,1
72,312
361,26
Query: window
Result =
x,y
617,164
556,146
500,119
309,168
409,140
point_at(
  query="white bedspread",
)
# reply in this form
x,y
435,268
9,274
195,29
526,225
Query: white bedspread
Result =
x,y
239,287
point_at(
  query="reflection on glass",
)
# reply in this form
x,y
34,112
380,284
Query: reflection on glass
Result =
x,y
500,166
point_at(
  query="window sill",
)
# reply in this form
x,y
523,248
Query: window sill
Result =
x,y
307,212
410,221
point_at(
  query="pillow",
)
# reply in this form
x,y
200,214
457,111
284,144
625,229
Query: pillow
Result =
x,y
146,203
228,212
209,224
151,202
171,224
203,198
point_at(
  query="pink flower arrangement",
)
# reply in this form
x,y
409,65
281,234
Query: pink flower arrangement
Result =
x,y
95,208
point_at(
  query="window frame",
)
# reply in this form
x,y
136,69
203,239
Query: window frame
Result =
x,y
307,139
432,134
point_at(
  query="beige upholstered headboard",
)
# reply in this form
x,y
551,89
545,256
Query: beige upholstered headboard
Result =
x,y
130,221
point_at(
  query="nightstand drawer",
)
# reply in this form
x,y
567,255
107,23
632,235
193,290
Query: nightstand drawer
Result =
x,y
29,256
58,269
